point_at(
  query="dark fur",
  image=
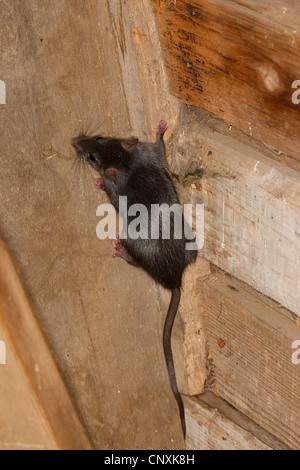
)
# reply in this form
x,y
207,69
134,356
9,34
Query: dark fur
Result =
x,y
141,173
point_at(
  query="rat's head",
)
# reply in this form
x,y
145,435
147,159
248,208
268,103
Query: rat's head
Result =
x,y
103,152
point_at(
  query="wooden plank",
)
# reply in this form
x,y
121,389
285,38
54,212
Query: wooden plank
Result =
x,y
250,346
252,209
282,12
237,59
31,365
208,429
107,337
234,415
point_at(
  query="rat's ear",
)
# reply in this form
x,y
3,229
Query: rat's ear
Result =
x,y
112,174
128,143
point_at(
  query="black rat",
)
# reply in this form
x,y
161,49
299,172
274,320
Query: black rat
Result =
x,y
140,172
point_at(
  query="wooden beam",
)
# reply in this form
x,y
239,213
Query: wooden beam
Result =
x,y
210,429
237,59
144,77
250,355
234,415
42,380
252,210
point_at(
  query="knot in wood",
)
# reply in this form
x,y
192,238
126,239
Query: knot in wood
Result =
x,y
270,79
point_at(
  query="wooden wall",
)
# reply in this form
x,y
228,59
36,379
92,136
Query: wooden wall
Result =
x,y
236,61
221,73
35,406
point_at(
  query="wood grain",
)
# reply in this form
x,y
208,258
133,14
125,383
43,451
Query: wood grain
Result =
x,y
50,410
249,341
65,73
188,340
209,429
252,207
237,59
234,415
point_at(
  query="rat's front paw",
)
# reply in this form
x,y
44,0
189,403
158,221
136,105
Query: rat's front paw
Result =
x,y
99,183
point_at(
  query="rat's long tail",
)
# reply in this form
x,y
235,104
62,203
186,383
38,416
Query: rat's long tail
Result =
x,y
174,304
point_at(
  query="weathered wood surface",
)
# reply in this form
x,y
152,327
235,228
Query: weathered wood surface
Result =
x,y
234,415
237,59
249,342
143,75
209,429
252,209
61,65
35,407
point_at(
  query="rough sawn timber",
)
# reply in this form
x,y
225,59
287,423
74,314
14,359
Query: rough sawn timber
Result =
x,y
237,59
250,348
252,211
38,393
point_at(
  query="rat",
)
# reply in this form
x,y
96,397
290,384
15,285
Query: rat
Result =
x,y
139,171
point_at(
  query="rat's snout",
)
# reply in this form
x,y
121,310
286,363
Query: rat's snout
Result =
x,y
77,143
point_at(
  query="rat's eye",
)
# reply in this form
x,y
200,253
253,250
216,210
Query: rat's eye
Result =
x,y
92,158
